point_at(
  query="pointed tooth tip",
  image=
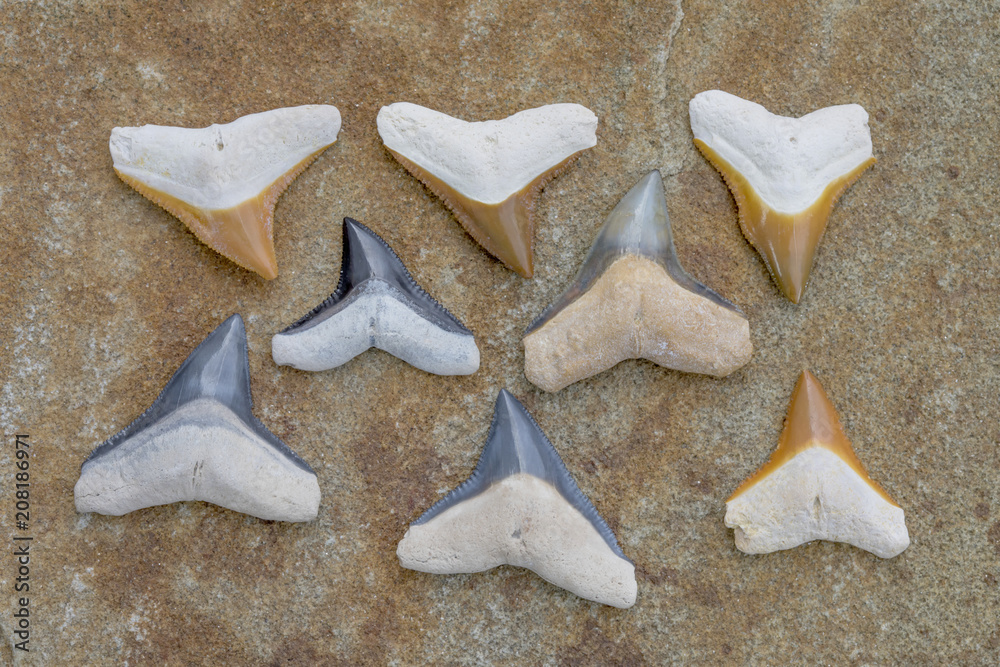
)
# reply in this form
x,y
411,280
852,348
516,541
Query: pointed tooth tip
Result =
x,y
652,181
233,324
237,322
268,272
506,400
651,177
263,264
357,230
791,277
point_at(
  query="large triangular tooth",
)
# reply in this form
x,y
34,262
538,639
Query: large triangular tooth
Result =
x,y
200,440
633,299
813,487
223,181
785,173
490,173
377,304
521,507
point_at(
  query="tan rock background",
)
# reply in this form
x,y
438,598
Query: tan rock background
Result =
x,y
104,295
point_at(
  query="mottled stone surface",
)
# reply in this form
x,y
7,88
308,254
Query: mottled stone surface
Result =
x,y
104,295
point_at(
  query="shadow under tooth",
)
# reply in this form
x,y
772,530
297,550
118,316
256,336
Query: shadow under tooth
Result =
x,y
638,225
366,256
218,369
516,444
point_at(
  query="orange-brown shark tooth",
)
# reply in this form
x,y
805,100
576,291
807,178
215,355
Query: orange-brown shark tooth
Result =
x,y
785,173
814,488
632,299
490,173
223,181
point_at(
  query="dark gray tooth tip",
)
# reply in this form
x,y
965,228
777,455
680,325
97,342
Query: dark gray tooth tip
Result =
x,y
218,369
366,256
638,225
516,444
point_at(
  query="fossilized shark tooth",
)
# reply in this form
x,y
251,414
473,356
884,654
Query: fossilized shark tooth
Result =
x,y
814,488
200,441
521,507
785,173
490,173
223,181
377,304
632,299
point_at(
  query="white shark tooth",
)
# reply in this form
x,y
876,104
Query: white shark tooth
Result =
x,y
785,173
200,441
223,181
814,488
521,507
490,173
377,304
632,299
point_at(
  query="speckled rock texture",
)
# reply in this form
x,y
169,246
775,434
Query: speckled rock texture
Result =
x,y
104,295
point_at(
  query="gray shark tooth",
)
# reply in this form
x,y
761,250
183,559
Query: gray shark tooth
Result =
x,y
201,441
521,507
632,299
377,304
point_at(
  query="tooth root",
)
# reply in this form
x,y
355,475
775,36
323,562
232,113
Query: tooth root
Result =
x,y
786,241
242,233
634,310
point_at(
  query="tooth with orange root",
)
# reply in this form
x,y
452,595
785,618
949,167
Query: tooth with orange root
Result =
x,y
223,181
785,173
814,488
490,173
